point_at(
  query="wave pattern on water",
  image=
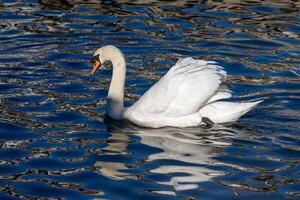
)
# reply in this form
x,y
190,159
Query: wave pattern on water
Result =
x,y
55,141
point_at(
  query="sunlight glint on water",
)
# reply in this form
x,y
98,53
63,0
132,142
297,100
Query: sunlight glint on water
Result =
x,y
56,143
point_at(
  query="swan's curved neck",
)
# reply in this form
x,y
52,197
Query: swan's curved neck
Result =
x,y
115,97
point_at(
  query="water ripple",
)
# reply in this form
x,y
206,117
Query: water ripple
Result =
x,y
56,142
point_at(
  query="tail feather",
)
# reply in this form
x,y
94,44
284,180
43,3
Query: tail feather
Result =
x,y
219,95
223,112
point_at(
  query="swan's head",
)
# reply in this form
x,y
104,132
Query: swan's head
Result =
x,y
105,53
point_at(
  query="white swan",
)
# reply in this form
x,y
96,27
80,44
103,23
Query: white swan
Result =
x,y
185,96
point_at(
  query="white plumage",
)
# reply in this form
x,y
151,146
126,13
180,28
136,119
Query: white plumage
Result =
x,y
181,98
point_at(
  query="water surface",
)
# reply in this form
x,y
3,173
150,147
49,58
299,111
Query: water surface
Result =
x,y
56,143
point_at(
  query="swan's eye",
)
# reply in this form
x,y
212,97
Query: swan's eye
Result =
x,y
95,58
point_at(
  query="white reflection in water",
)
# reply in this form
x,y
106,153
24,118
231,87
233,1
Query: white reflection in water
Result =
x,y
193,149
186,147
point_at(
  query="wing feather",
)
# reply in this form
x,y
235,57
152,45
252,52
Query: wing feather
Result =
x,y
187,86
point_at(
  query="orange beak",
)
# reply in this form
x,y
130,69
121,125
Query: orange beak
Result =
x,y
96,65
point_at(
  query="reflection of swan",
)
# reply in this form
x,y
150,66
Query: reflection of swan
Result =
x,y
186,155
183,97
193,152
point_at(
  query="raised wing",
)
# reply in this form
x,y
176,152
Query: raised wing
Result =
x,y
183,90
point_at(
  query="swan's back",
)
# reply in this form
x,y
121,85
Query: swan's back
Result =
x,y
186,87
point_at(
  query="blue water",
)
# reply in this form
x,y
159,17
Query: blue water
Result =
x,y
55,141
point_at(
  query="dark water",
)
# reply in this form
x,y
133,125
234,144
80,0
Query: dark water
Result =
x,y
55,143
